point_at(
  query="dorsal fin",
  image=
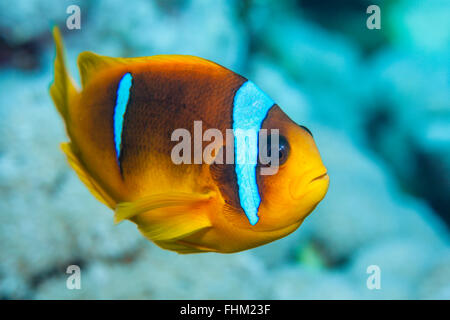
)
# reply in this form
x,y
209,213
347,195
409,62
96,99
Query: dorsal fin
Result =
x,y
62,90
90,63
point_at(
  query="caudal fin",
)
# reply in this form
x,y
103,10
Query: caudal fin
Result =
x,y
62,89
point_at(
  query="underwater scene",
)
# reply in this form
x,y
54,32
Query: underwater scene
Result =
x,y
91,207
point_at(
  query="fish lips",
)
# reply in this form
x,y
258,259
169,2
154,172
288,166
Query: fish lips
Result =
x,y
309,183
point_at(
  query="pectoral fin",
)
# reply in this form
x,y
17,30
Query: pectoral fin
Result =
x,y
169,216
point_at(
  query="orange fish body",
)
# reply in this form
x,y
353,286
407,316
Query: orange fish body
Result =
x,y
121,127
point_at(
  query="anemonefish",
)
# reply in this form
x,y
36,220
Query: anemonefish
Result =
x,y
120,125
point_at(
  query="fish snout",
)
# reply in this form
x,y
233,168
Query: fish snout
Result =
x,y
310,182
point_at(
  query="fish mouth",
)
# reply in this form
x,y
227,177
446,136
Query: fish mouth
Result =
x,y
302,187
322,176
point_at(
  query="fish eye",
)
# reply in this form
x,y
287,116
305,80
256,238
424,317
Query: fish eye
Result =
x,y
307,130
283,149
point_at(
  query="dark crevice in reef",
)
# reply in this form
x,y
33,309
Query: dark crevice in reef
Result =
x,y
24,56
324,257
348,17
243,13
172,7
426,174
58,182
59,271
433,182
53,272
129,256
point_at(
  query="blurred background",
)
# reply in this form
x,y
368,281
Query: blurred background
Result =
x,y
377,102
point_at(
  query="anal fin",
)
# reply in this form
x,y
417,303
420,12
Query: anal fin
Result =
x,y
183,247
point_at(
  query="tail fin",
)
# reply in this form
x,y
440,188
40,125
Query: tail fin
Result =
x,y
62,88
